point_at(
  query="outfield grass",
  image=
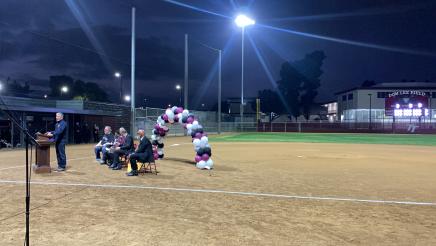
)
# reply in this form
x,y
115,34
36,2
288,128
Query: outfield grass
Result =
x,y
401,139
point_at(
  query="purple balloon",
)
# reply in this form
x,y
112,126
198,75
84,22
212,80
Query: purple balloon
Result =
x,y
197,158
156,156
176,118
165,117
179,110
205,157
156,127
190,120
198,135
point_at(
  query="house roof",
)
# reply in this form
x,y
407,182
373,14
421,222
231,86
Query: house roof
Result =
x,y
394,86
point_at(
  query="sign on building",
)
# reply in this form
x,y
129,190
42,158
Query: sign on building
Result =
x,y
407,103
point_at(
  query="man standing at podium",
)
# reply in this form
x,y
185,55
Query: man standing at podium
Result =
x,y
60,137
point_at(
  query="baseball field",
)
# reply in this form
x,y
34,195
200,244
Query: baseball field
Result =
x,y
265,189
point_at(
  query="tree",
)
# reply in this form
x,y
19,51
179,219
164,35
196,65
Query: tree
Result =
x,y
300,81
270,102
94,92
78,89
57,81
310,68
289,86
15,88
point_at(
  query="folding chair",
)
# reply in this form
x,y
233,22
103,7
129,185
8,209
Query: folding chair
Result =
x,y
144,168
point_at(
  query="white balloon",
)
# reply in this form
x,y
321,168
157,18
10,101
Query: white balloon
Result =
x,y
201,164
189,127
185,112
197,148
160,152
209,164
195,123
160,140
173,108
171,120
153,137
196,142
189,132
204,140
180,116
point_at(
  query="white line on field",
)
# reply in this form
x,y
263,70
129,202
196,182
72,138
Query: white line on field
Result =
x,y
225,192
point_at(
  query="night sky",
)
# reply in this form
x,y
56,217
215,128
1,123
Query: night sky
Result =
x,y
90,40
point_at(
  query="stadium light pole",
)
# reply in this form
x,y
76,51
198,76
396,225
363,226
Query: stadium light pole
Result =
x,y
370,111
186,82
132,73
243,21
118,76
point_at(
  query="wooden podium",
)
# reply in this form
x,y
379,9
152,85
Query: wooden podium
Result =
x,y
42,164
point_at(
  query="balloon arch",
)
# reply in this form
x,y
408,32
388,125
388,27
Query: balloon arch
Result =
x,y
190,123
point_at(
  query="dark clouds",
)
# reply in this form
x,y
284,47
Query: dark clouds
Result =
x,y
42,38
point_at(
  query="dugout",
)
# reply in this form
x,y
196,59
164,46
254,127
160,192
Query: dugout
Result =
x,y
39,115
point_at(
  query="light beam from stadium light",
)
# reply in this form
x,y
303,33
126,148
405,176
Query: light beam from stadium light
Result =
x,y
127,98
327,38
64,89
117,74
268,72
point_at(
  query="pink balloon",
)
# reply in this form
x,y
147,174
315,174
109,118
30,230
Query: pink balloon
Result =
x,y
197,158
179,110
184,126
165,117
176,118
190,120
198,135
156,156
205,157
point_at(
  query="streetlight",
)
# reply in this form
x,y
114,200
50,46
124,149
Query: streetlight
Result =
x,y
243,21
45,96
118,76
179,88
127,98
219,81
64,89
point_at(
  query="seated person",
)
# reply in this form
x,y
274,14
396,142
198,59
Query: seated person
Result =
x,y
143,153
107,139
110,147
123,149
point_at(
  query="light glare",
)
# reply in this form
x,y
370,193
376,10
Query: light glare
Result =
x,y
243,21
